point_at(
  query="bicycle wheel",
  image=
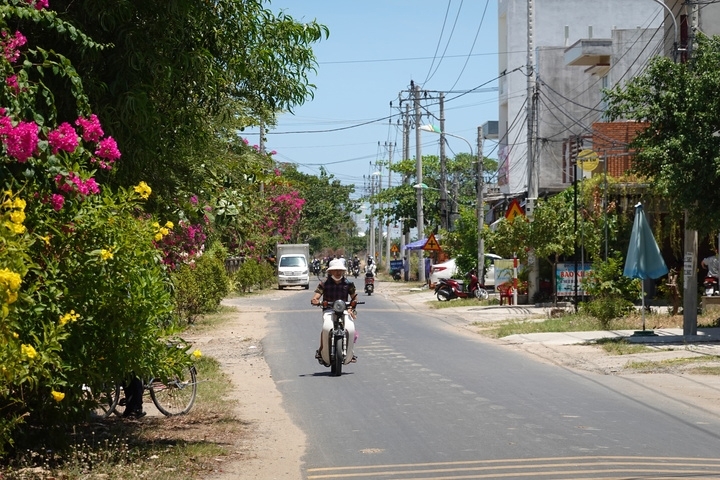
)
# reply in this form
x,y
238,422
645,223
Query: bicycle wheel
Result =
x,y
103,401
177,395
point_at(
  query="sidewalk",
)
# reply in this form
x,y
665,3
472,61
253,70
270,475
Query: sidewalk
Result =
x,y
417,297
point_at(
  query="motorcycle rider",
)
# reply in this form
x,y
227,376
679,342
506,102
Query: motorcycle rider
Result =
x,y
335,287
370,266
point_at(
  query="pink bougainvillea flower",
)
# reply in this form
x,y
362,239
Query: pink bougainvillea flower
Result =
x,y
11,44
12,82
194,200
57,201
92,131
38,4
21,141
107,149
63,138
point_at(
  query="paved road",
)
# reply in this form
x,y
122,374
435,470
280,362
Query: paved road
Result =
x,y
425,401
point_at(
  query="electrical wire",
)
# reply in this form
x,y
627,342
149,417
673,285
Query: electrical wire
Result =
x,y
437,47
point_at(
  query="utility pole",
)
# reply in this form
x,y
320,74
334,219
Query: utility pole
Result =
x,y
405,236
443,167
387,220
533,177
480,206
419,175
691,236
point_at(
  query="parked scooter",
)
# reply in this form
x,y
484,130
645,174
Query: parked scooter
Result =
x,y
369,283
711,286
337,345
448,288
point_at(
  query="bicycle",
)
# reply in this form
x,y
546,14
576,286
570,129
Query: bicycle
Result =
x,y
175,396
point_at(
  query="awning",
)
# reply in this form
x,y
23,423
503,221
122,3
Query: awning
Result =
x,y
416,245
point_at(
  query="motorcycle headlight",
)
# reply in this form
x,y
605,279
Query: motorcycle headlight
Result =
x,y
339,306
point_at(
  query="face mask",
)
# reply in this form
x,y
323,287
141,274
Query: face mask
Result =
x,y
336,275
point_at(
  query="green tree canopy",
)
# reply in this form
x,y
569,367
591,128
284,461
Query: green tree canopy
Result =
x,y
679,150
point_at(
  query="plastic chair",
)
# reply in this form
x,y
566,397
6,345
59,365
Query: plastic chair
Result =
x,y
506,292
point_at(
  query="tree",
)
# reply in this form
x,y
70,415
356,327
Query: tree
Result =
x,y
679,149
326,220
177,77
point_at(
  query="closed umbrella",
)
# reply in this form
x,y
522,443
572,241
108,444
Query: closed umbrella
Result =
x,y
644,259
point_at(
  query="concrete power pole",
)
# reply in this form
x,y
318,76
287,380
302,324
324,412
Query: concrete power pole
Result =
x,y
443,168
405,237
691,236
387,221
533,176
419,175
480,207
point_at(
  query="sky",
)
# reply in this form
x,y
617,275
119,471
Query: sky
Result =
x,y
375,49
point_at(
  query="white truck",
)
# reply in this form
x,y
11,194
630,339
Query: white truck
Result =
x,y
293,265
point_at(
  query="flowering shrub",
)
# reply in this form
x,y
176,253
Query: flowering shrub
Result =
x,y
84,295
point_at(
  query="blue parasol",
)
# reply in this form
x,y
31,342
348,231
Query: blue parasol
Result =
x,y
644,259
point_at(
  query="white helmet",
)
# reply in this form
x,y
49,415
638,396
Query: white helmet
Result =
x,y
336,264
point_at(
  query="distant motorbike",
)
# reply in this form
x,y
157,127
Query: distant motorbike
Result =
x,y
337,346
317,268
711,286
369,283
355,270
448,288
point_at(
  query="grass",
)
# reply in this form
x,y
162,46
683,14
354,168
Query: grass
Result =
x,y
162,448
672,364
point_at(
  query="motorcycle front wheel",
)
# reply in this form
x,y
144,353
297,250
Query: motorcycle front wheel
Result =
x,y
444,295
481,294
336,368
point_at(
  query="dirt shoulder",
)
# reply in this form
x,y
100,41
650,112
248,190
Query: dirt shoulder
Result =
x,y
273,446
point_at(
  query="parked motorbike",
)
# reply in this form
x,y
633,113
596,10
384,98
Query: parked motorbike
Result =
x,y
448,288
337,345
369,283
711,286
395,274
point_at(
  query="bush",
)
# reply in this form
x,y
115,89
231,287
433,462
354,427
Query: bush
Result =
x,y
612,293
201,286
253,274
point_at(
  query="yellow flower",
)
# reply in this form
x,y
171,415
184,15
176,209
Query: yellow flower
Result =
x,y
58,396
9,285
18,216
106,254
19,203
46,239
156,225
197,354
143,190
164,231
158,237
15,227
69,317
15,335
28,351
169,225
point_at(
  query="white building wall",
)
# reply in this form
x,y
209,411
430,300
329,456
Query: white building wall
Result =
x,y
558,24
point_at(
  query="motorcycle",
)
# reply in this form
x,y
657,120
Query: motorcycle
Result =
x,y
337,345
711,286
356,270
395,274
316,268
448,288
369,283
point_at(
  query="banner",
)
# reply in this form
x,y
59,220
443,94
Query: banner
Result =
x,y
565,279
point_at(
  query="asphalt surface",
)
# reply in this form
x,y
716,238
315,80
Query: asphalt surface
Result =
x,y
417,296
